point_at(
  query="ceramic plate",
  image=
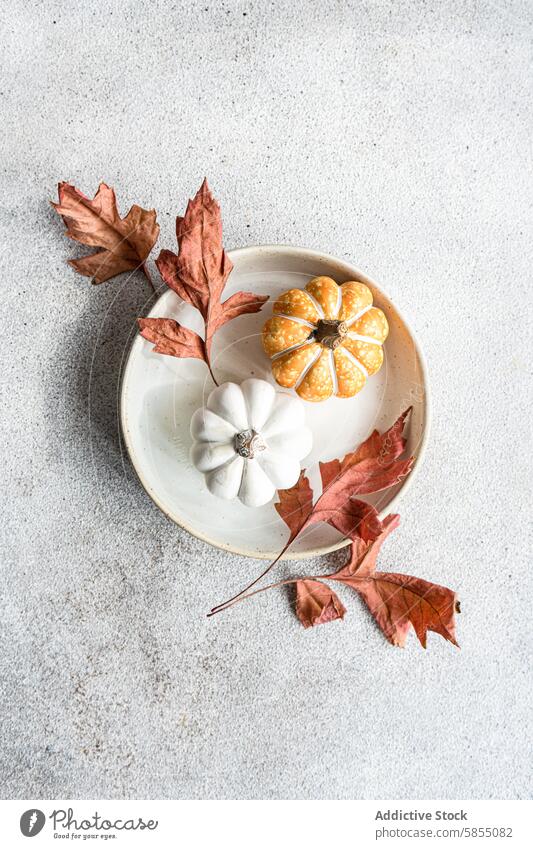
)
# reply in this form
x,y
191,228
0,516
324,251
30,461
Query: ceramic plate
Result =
x,y
160,394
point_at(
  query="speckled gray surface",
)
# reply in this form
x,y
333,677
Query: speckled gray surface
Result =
x,y
393,134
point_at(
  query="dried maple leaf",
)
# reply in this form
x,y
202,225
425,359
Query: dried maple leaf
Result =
x,y
363,553
382,448
372,467
171,338
316,603
352,517
398,601
199,272
295,505
125,242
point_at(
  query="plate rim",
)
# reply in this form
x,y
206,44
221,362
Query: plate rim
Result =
x,y
323,550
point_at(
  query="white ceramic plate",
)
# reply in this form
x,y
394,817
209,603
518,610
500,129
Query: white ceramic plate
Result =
x,y
160,393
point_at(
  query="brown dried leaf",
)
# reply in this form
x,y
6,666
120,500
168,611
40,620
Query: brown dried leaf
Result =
x,y
125,242
295,505
370,468
398,601
316,603
363,554
198,275
199,272
169,337
236,305
351,516
384,448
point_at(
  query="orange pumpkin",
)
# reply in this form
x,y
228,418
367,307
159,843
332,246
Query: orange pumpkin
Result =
x,y
325,339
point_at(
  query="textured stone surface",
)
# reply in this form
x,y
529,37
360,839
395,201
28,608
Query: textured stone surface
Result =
x,y
393,134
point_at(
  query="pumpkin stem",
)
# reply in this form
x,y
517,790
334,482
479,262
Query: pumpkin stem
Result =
x,y
247,443
330,332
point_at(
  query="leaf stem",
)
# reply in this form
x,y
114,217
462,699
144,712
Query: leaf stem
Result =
x,y
146,272
208,364
241,597
213,378
244,595
270,566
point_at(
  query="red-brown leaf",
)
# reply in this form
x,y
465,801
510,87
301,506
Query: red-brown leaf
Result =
x,y
125,242
364,553
367,476
295,505
169,337
203,264
398,601
199,272
351,516
198,275
385,446
238,304
316,603
370,468
381,449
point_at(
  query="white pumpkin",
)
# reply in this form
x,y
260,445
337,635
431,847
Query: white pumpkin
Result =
x,y
249,440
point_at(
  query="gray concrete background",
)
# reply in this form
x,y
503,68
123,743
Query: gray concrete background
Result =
x,y
393,134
